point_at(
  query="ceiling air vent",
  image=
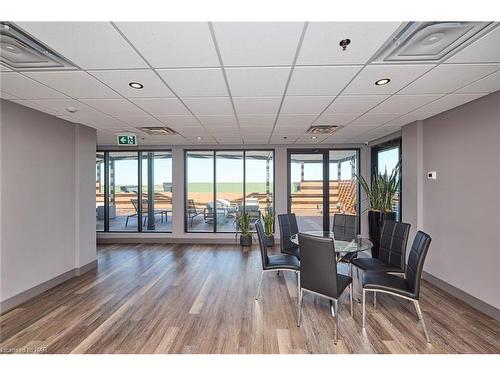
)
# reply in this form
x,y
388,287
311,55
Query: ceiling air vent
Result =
x,y
157,130
19,51
427,41
322,129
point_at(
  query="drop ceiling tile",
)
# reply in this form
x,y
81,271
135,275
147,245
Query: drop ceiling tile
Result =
x,y
25,88
172,44
292,120
119,80
36,106
219,121
311,138
321,80
487,84
90,45
179,120
193,131
448,102
115,107
162,106
352,130
321,42
76,84
195,82
229,140
447,78
408,118
204,140
336,118
60,106
283,140
373,119
483,50
249,132
258,43
6,96
404,103
257,81
285,130
259,105
141,121
209,105
354,103
218,130
256,120
400,76
297,105
105,122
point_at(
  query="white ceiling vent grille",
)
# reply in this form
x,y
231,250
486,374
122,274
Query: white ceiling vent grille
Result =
x,y
158,130
427,41
19,51
322,129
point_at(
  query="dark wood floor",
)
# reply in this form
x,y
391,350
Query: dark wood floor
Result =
x,y
200,299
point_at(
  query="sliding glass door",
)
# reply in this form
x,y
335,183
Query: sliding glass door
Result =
x,y
322,183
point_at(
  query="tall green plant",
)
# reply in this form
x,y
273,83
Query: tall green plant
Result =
x,y
242,223
384,187
268,220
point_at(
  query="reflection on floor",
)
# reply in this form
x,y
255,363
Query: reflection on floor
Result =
x,y
161,298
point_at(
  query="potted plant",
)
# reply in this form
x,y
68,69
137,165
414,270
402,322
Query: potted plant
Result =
x,y
380,196
242,223
268,220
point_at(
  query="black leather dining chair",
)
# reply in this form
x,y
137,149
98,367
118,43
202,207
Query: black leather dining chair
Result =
x,y
282,262
392,253
407,287
288,228
318,274
345,228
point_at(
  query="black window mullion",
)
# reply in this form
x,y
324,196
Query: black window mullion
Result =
x,y
214,213
326,190
106,191
244,182
139,192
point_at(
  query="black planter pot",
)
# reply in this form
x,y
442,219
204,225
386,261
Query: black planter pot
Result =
x,y
246,240
269,240
376,221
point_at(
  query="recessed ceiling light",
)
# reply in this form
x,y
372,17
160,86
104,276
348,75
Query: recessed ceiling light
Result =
x,y
198,138
383,81
71,109
136,85
314,137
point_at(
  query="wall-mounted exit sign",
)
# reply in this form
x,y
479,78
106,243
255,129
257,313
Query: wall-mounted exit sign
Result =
x,y
126,139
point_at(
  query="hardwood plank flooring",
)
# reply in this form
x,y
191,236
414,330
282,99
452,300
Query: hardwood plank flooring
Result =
x,y
200,299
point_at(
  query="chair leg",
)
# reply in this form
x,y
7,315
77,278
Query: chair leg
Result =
x,y
375,300
126,222
260,285
421,317
350,296
336,320
364,298
298,284
301,294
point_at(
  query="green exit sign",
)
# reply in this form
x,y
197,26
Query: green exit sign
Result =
x,y
126,139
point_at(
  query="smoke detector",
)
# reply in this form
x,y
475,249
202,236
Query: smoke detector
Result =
x,y
322,129
428,41
19,51
158,130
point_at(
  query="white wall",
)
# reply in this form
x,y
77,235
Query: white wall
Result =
x,y
461,209
47,198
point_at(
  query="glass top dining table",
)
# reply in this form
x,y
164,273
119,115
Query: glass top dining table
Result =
x,y
341,246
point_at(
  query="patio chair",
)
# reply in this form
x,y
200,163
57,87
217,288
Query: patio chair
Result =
x,y
145,210
192,211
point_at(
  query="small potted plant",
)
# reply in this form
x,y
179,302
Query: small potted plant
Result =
x,y
268,220
380,196
242,223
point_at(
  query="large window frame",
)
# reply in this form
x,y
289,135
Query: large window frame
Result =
x,y
140,154
214,151
384,146
325,152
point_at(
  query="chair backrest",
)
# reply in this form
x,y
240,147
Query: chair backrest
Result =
x,y
191,208
416,261
288,228
345,227
262,244
318,265
393,242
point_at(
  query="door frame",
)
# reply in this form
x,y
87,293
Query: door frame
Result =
x,y
325,152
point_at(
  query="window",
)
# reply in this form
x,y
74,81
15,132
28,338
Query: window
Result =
x,y
134,191
220,185
384,158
